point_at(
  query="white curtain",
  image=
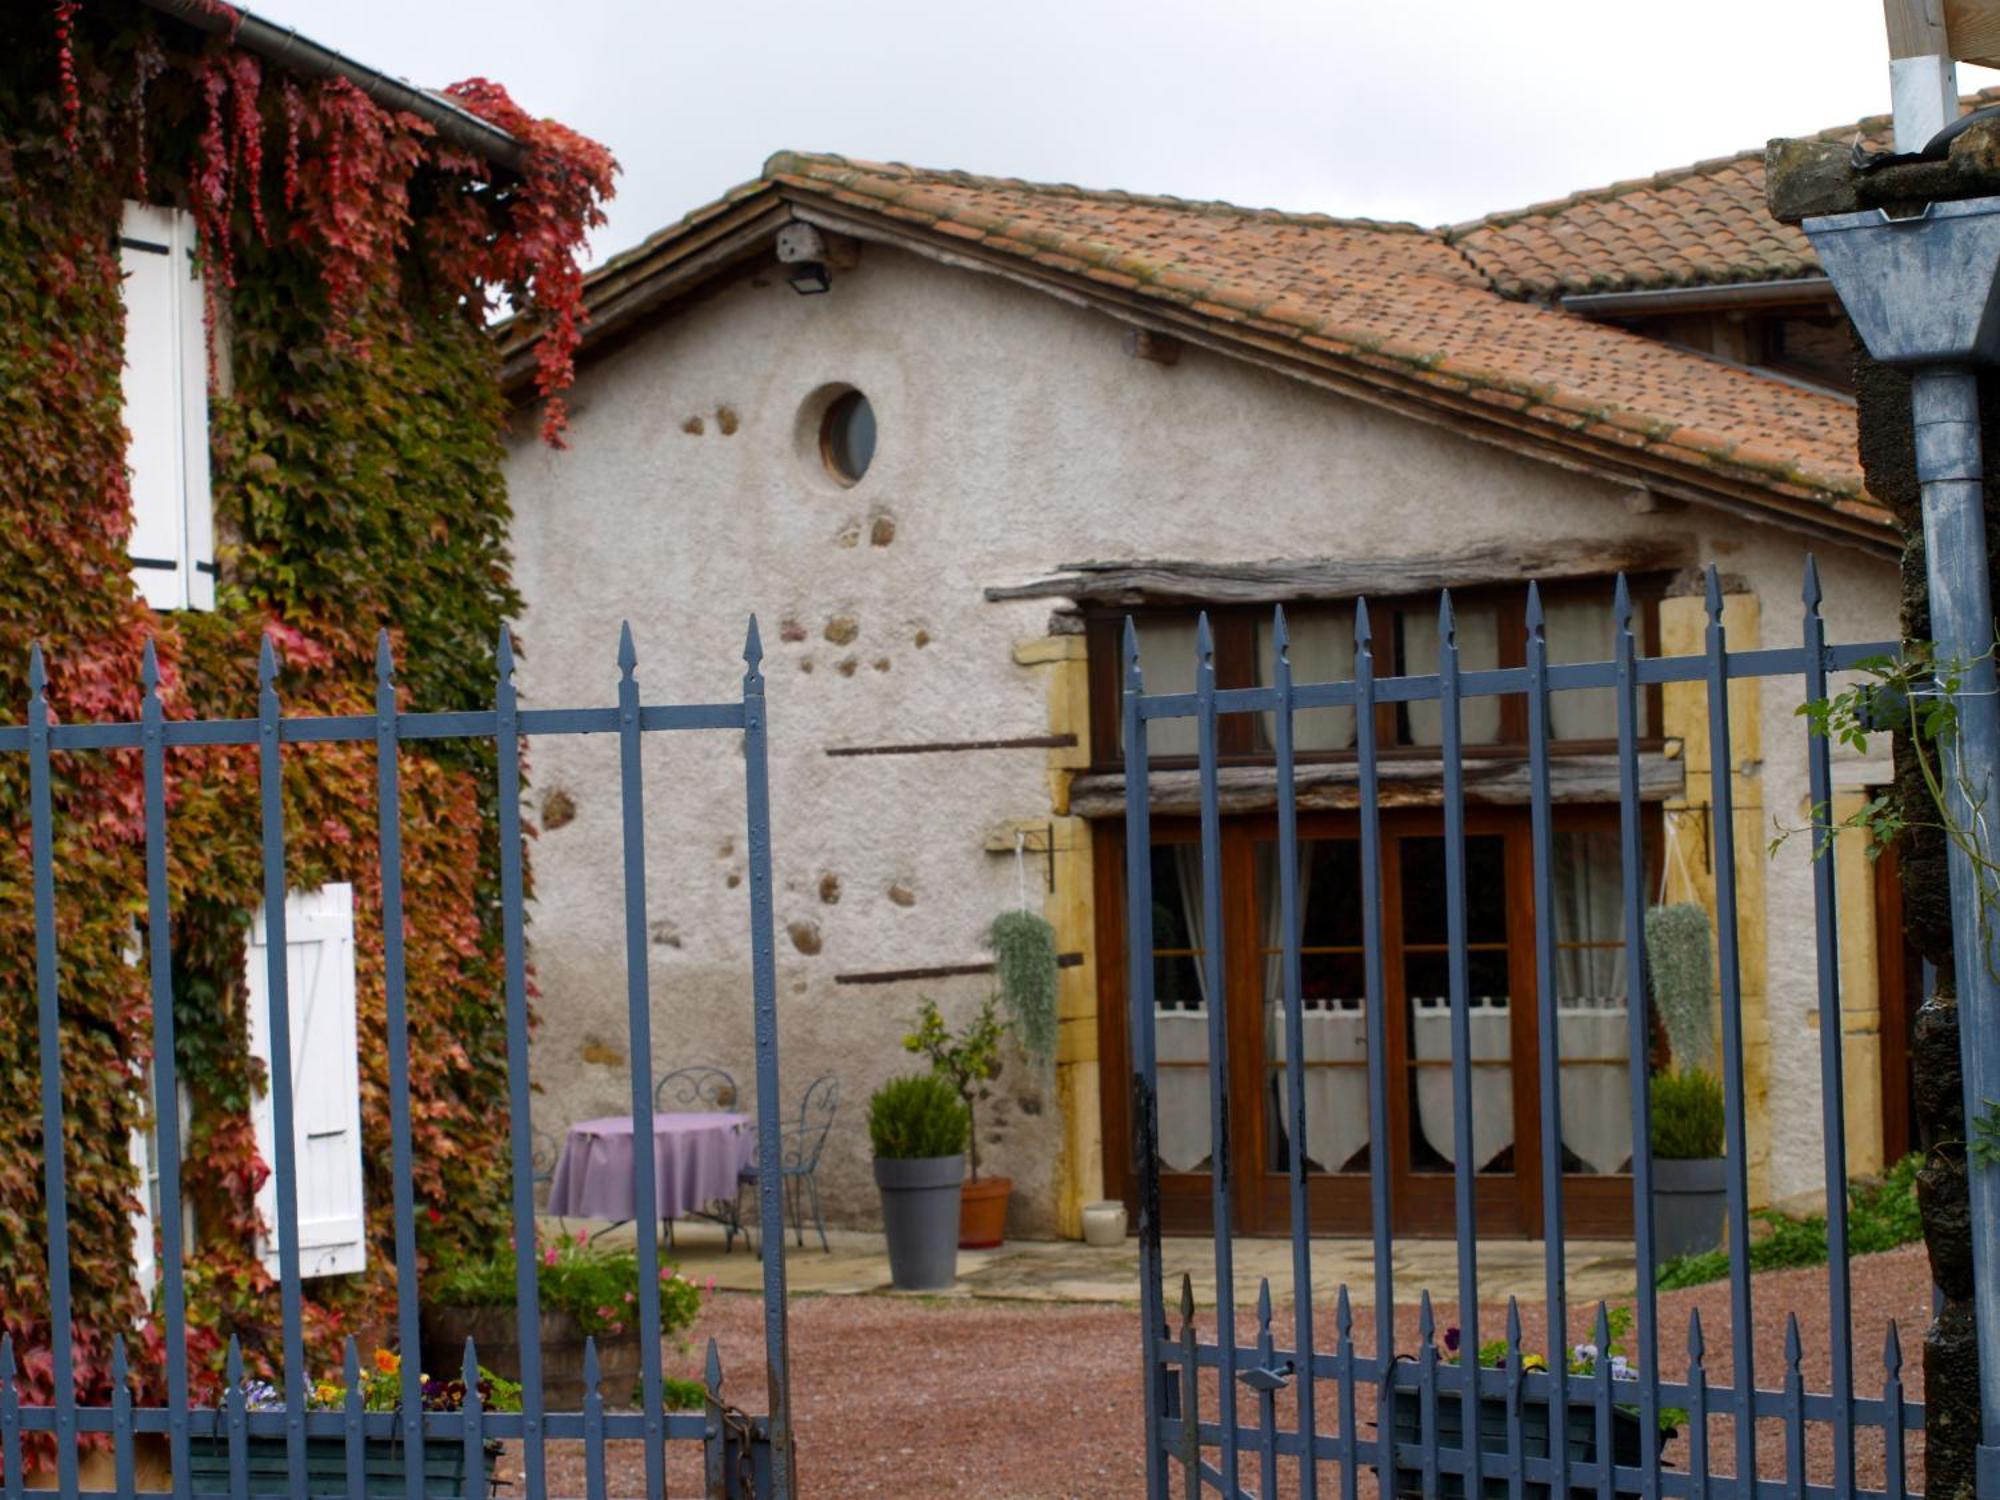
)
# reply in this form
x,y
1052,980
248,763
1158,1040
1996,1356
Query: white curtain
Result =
x,y
1580,630
1589,897
1180,1037
1478,651
1187,865
1322,651
1593,1016
1167,665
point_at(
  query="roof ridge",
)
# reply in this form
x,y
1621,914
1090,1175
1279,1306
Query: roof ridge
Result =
x,y
800,163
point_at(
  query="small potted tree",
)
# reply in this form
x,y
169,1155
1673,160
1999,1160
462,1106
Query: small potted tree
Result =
x,y
1690,1175
918,1125
968,1060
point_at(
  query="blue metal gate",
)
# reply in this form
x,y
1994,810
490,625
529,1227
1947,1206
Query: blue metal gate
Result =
x,y
1540,1430
742,1456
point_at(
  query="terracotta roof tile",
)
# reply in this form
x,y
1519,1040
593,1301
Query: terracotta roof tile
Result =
x,y
1692,226
1407,301
1425,310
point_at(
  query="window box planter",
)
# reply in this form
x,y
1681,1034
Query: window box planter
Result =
x,y
326,1467
1580,1434
492,1330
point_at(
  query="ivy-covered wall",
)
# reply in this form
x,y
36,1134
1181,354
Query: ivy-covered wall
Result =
x,y
357,487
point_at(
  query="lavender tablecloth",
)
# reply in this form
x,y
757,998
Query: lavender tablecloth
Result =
x,y
696,1159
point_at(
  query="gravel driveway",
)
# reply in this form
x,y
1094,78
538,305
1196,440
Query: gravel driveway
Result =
x,y
1006,1401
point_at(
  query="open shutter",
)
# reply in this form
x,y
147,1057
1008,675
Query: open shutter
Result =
x,y
198,520
326,1097
165,388
145,1253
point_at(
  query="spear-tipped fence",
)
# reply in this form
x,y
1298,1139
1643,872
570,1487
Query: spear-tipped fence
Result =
x,y
1442,1423
287,1446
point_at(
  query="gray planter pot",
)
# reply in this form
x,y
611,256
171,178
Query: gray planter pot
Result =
x,y
1689,1198
920,1218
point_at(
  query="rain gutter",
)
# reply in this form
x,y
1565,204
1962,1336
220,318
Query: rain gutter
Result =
x,y
285,47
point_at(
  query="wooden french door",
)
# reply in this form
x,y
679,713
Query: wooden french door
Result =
x,y
1422,1140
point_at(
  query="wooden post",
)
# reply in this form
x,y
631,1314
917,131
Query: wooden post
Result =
x,y
1923,83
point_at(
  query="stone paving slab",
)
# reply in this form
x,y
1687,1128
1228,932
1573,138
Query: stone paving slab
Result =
x,y
1069,1271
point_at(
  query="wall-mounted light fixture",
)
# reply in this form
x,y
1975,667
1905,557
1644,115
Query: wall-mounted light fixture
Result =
x,y
812,256
811,277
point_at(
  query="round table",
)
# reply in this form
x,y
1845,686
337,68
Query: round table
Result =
x,y
697,1158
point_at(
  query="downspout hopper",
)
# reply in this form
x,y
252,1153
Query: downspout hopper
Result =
x,y
1924,294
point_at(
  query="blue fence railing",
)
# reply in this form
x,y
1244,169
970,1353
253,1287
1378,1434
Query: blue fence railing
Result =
x,y
349,1451
1281,1410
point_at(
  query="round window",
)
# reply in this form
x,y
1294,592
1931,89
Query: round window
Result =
x,y
847,437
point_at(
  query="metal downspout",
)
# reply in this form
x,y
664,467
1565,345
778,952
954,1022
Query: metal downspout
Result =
x,y
1923,292
1945,407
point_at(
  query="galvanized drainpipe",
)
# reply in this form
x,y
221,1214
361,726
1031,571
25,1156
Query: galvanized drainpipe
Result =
x,y
1922,294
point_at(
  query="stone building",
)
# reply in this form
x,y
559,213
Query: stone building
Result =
x,y
896,412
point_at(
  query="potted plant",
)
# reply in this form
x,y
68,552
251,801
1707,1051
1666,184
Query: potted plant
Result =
x,y
918,1125
1690,1176
586,1291
969,1060
1578,1426
381,1389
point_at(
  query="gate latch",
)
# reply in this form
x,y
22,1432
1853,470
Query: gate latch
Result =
x,y
1268,1377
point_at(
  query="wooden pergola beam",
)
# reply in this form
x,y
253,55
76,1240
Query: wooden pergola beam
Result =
x,y
1973,30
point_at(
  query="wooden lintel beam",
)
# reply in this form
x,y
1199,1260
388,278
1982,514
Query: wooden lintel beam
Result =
x,y
1493,781
1283,581
950,747
940,971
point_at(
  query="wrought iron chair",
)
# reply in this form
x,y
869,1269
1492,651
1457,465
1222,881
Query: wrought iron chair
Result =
x,y
542,1160
695,1088
702,1088
799,1147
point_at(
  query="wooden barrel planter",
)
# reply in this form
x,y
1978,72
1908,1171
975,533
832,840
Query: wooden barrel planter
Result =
x,y
445,1330
1580,1435
326,1467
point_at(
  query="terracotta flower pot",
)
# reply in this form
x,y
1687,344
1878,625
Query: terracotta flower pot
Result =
x,y
982,1213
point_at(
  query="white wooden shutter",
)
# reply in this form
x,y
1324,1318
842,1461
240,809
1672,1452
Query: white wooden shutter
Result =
x,y
326,1095
145,1254
165,386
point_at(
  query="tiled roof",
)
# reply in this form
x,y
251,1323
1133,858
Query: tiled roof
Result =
x,y
1391,303
1697,225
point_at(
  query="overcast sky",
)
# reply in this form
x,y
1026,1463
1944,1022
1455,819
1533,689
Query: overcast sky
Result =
x,y
1435,111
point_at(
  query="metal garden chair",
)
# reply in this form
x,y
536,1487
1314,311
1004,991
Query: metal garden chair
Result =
x,y
702,1088
800,1144
695,1088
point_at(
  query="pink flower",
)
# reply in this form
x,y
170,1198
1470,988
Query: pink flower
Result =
x,y
582,1239
550,1258
711,1283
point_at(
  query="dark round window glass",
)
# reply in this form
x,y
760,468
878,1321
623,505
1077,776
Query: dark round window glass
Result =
x,y
847,437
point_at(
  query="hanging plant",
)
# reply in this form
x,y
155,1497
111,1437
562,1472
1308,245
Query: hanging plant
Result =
x,y
1024,954
1677,958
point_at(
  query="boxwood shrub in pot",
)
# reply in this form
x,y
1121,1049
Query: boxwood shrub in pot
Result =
x,y
1690,1177
918,1127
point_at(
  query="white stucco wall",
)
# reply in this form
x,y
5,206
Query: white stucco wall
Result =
x,y
1015,435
